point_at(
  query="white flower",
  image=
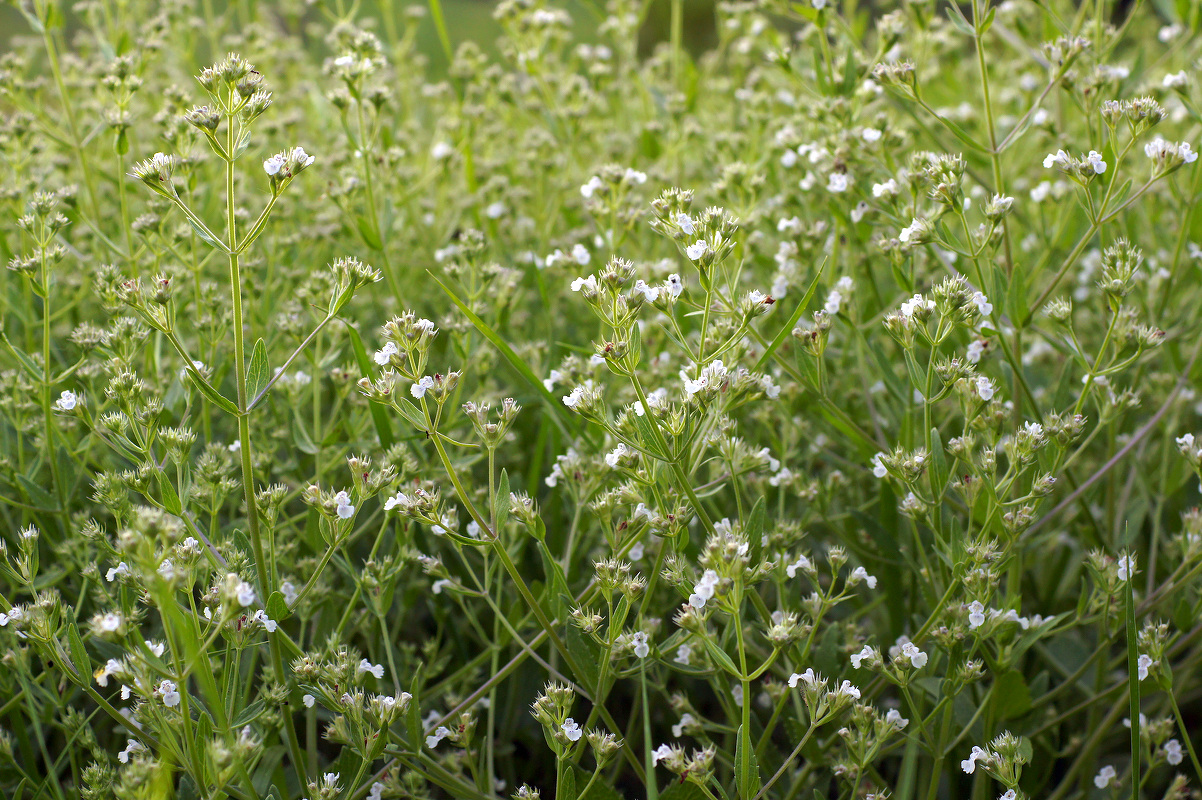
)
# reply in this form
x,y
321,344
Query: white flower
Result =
x,y
649,293
1105,775
837,182
697,250
132,748
982,303
860,574
1009,794
916,304
168,692
1126,567
1094,161
894,718
580,255
808,677
870,135
918,659
858,658
612,458
976,614
267,622
660,753
976,348
887,189
590,188
686,720
985,388
572,730
1059,159
683,654
1172,752
1143,664
634,176
246,594
386,352
641,646
1175,80
684,222
439,734
66,401
119,571
969,765
802,563
846,689
878,467
703,590
588,284
273,165
441,150
344,510
736,693
375,669
376,792
674,285
308,700
573,399
420,388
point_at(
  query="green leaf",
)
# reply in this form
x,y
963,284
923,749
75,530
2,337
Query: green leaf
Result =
x,y
747,769
956,17
277,606
23,358
249,714
378,416
558,411
719,656
212,394
683,791
754,529
939,466
565,787
1011,696
410,412
787,329
600,790
300,435
205,236
256,373
503,503
587,655
79,654
167,490
37,495
368,232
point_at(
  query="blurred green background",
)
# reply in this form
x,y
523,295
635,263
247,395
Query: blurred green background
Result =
x,y
467,20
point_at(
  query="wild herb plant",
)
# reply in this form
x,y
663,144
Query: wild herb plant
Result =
x,y
811,416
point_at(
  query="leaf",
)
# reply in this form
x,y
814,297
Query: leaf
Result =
x,y
37,495
300,435
558,412
747,769
277,606
79,654
956,17
587,655
256,373
378,417
367,231
787,329
26,362
754,529
1011,696
600,790
939,466
249,714
167,490
565,787
205,236
410,412
213,395
503,503
683,791
719,656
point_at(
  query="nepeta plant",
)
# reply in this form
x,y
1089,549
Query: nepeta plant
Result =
x,y
816,416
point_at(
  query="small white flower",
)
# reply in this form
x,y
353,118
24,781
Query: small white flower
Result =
x,y
1105,775
641,647
590,188
918,659
308,700
982,303
660,753
588,284
1094,161
267,622
808,677
894,718
985,388
969,765
1009,794
613,457
572,730
686,720
697,250
675,286
382,355
580,255
66,401
683,654
441,150
649,293
1175,80
889,188
573,399
119,571
439,734
1172,752
976,348
132,748
1143,664
837,182
870,135
858,658
375,669
684,222
878,467
424,384
860,574
246,594
703,590
273,165
168,692
344,509
1126,567
802,563
976,614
